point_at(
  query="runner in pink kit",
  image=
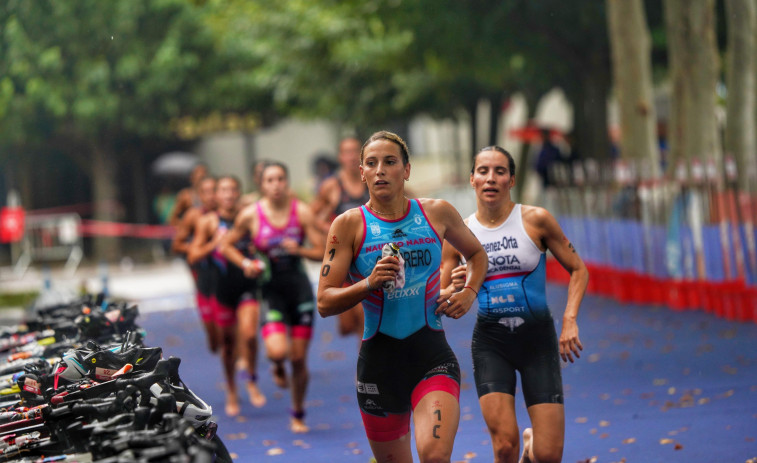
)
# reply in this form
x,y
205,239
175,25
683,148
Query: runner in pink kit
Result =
x,y
280,226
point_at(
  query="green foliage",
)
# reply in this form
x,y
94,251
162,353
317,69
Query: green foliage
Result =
x,y
94,69
17,299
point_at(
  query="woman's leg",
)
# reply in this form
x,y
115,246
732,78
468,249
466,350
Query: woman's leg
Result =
x,y
436,418
394,451
498,410
300,377
544,444
248,315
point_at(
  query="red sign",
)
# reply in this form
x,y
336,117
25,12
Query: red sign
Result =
x,y
11,224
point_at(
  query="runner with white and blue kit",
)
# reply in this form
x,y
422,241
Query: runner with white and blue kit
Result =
x,y
514,328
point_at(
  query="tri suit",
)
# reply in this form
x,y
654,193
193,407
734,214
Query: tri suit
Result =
x,y
288,294
232,287
404,353
514,327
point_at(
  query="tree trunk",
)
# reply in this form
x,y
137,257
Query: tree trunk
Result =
x,y
105,195
741,67
473,111
693,133
590,108
632,75
140,196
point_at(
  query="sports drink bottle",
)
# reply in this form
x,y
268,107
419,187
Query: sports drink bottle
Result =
x,y
390,249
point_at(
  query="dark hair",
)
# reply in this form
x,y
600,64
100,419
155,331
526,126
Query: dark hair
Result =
x,y
389,136
229,177
510,160
268,164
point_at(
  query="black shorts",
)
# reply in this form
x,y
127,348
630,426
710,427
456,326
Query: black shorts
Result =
x,y
531,350
204,277
389,369
289,300
232,287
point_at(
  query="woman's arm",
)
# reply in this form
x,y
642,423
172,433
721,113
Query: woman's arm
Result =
x,y
203,242
333,298
242,226
180,244
465,242
452,272
314,236
553,238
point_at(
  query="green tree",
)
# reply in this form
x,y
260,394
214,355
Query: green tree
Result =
x,y
95,80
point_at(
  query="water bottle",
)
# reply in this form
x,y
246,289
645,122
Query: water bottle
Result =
x,y
390,249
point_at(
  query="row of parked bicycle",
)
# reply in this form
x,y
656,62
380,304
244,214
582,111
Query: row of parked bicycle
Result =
x,y
77,384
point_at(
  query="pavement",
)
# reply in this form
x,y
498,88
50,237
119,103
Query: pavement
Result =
x,y
653,385
164,285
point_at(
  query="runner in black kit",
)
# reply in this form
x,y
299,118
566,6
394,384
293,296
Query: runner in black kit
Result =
x,y
338,194
188,197
514,328
201,271
280,225
405,365
236,312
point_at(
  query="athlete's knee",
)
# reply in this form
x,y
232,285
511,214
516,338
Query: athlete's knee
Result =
x,y
297,361
506,450
550,452
277,354
435,454
505,443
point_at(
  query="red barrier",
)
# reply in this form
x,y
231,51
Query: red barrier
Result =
x,y
732,299
118,229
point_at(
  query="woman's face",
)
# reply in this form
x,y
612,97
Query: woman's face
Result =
x,y
491,177
275,184
382,169
227,193
206,193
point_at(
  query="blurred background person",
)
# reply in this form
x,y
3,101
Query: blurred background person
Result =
x,y
235,312
201,272
339,193
280,226
188,197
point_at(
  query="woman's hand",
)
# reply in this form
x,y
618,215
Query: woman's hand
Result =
x,y
290,246
457,304
385,270
458,277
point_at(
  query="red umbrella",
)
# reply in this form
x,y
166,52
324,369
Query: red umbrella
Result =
x,y
531,133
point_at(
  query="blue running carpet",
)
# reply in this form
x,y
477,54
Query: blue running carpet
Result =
x,y
652,385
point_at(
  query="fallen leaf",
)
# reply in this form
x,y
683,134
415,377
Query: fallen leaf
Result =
x,y
630,440
470,455
275,451
604,424
666,441
582,419
678,447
